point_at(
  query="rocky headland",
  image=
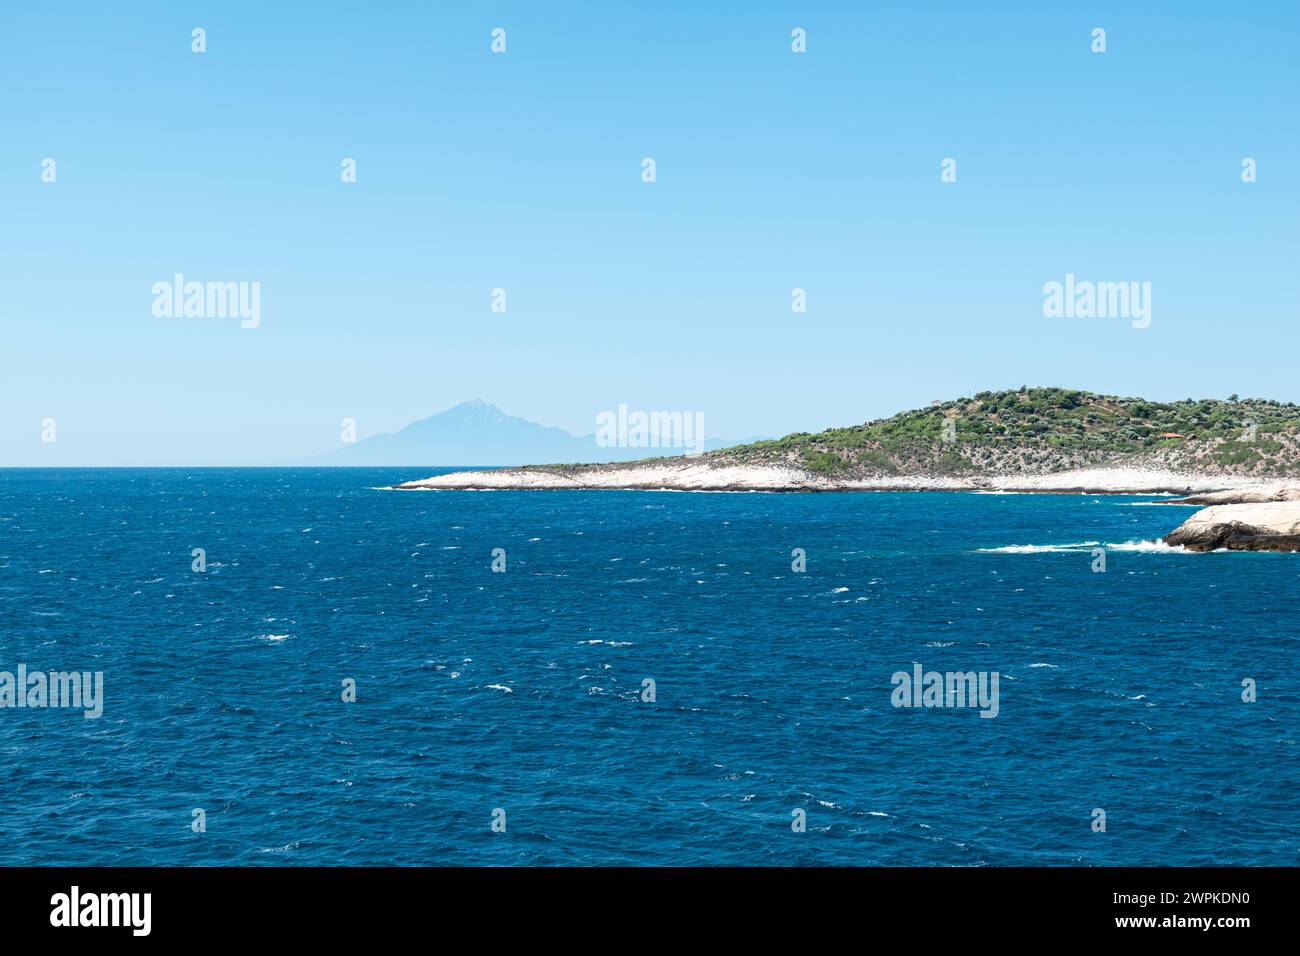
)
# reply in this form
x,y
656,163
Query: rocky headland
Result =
x,y
1240,457
1272,526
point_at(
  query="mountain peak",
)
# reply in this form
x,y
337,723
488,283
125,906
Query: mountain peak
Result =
x,y
473,404
479,433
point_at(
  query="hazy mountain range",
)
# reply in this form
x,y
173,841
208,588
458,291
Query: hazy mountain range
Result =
x,y
479,433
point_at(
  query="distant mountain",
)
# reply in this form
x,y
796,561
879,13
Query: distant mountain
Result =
x,y
479,433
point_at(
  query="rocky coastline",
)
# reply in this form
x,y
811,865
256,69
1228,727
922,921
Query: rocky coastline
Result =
x,y
1242,517
1274,526
1238,459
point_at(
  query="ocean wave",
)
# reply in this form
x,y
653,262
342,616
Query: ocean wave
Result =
x,y
1152,547
1155,546
1040,548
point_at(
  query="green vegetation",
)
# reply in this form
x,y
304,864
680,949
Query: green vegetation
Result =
x,y
824,462
1050,428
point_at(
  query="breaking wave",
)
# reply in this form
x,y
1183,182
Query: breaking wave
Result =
x,y
1040,548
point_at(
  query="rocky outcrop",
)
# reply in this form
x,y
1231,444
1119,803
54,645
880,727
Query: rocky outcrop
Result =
x,y
1251,495
1270,526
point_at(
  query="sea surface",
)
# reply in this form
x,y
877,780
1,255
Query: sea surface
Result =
x,y
479,691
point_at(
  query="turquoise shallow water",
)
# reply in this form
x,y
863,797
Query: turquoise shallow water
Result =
x,y
522,691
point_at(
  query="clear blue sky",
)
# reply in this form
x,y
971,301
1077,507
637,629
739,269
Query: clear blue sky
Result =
x,y
522,171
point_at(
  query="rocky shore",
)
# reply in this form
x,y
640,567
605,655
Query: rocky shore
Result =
x,y
704,474
1241,515
1270,526
1244,495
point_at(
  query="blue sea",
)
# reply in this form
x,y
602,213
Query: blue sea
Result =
x,y
523,692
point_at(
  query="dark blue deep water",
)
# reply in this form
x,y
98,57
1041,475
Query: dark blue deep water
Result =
x,y
479,690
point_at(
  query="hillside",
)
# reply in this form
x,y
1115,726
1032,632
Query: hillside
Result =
x,y
1046,430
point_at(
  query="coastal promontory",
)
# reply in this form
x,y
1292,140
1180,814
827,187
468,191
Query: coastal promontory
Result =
x,y
1271,526
1028,439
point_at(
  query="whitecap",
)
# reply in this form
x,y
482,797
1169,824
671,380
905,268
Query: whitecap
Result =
x,y
288,847
1150,547
1040,548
